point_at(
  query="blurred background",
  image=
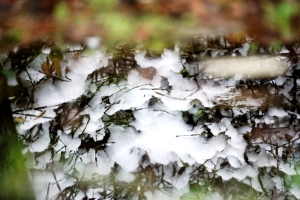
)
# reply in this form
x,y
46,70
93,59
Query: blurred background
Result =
x,y
153,23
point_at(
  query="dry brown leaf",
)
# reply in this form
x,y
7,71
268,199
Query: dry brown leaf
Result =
x,y
290,152
41,115
56,66
255,133
46,68
288,137
67,69
147,73
237,38
20,119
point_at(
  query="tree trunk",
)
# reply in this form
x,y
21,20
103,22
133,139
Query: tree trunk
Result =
x,y
14,180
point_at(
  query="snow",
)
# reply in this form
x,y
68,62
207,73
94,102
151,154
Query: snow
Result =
x,y
125,176
179,182
234,162
47,179
92,42
287,168
278,182
278,112
104,163
240,174
295,190
157,131
244,49
71,143
298,116
280,80
265,160
50,94
231,151
42,142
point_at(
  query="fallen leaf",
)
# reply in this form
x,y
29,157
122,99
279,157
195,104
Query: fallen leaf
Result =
x,y
67,69
147,73
20,119
41,115
288,137
46,68
255,133
56,66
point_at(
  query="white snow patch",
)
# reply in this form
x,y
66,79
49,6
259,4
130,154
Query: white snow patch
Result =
x,y
240,174
278,112
92,42
49,94
295,190
287,168
125,176
42,142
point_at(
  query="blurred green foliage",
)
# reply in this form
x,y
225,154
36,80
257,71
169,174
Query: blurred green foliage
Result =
x,y
147,24
280,16
103,4
61,11
6,74
150,30
14,176
276,46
